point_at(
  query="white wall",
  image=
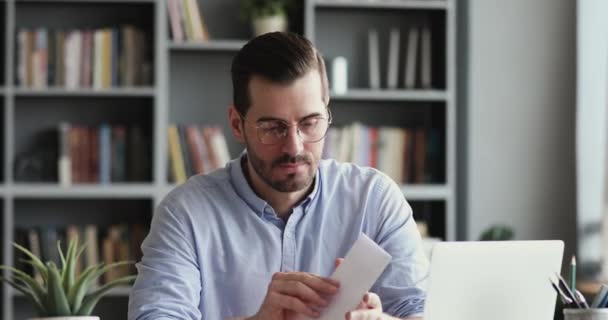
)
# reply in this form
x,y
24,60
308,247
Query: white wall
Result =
x,y
592,56
520,121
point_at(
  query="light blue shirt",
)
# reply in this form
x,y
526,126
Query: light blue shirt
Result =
x,y
214,244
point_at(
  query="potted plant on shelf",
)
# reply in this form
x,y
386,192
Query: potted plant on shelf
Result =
x,y
62,295
265,15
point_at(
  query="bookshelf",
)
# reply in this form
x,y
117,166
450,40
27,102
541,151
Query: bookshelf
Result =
x,y
349,21
190,84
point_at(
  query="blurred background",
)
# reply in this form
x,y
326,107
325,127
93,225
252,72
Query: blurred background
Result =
x,y
491,115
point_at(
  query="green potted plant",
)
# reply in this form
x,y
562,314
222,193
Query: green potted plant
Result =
x,y
265,15
62,295
497,233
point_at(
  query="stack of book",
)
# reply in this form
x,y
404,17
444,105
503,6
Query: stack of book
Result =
x,y
187,23
407,155
102,154
195,150
99,59
120,242
414,54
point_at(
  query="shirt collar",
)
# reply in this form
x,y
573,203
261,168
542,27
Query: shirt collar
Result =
x,y
244,190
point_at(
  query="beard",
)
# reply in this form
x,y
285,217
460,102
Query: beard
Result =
x,y
289,183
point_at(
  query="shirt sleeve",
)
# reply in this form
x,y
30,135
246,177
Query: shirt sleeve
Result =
x,y
402,285
168,283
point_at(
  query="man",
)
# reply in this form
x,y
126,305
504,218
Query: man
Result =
x,y
257,239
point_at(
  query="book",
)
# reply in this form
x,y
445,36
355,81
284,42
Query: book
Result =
x,y
221,147
35,247
419,157
177,32
186,151
64,165
426,52
178,170
72,58
196,146
411,58
92,251
118,155
59,59
98,59
22,58
105,153
393,59
374,59
198,25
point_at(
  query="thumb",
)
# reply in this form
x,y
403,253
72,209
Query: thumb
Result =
x,y
339,261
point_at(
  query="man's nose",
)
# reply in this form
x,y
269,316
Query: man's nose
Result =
x,y
293,143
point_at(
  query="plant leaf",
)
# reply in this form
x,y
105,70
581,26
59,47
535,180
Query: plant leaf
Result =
x,y
79,290
57,300
35,262
93,298
70,266
61,254
41,310
28,281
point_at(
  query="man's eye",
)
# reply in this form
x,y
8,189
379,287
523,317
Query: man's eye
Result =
x,y
309,123
270,126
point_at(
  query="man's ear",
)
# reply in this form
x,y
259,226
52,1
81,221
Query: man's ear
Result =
x,y
236,124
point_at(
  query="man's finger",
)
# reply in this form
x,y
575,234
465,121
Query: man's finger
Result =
x,y
317,283
287,302
373,301
339,261
299,290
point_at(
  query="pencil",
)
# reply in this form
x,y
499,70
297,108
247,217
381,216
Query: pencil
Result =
x,y
573,274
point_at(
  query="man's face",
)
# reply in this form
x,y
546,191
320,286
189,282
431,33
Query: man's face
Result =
x,y
290,164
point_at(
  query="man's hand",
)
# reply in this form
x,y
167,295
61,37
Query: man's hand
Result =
x,y
292,293
370,307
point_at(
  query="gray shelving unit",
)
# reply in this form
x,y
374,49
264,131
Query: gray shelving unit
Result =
x,y
192,86
326,21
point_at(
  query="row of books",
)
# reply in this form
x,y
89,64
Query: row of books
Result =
x,y
194,150
100,58
416,70
187,23
119,242
102,154
407,155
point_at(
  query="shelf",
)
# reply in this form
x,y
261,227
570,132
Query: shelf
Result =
x,y
383,4
425,192
391,95
86,92
122,190
213,45
2,90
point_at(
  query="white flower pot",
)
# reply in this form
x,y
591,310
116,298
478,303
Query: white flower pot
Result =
x,y
267,24
68,318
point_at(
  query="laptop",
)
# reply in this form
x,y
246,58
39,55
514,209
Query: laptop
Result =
x,y
498,280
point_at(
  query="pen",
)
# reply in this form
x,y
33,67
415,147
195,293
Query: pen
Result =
x,y
563,285
573,273
565,300
582,299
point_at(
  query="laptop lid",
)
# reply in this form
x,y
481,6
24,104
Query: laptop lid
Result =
x,y
498,280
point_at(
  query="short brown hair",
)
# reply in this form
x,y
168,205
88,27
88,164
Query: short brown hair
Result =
x,y
280,57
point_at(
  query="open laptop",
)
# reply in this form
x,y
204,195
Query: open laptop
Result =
x,y
498,280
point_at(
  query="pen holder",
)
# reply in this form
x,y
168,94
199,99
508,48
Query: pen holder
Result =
x,y
586,314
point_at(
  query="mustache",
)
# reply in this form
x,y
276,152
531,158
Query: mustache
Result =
x,y
287,159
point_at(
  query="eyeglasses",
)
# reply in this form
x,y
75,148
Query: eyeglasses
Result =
x,y
310,130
